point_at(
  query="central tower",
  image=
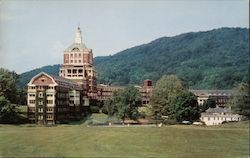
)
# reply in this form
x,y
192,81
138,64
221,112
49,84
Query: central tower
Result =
x,y
78,65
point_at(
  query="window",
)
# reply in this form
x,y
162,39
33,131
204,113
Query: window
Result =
x,y
75,55
79,61
32,101
49,101
40,109
71,61
49,95
75,61
66,61
79,54
208,118
40,117
75,49
71,55
40,103
69,71
49,110
32,95
40,94
42,79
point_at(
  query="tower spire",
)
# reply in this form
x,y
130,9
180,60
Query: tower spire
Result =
x,y
78,37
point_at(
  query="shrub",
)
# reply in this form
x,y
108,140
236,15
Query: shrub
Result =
x,y
94,109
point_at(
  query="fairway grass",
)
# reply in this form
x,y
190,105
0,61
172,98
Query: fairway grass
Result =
x,y
82,141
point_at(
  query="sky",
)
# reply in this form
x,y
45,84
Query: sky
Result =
x,y
34,33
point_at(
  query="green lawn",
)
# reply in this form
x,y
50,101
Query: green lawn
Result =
x,y
78,140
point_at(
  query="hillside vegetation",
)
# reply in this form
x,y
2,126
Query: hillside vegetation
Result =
x,y
216,59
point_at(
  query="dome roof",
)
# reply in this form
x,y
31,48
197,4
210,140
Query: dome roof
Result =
x,y
78,45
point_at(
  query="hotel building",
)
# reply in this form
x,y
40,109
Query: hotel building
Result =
x,y
54,99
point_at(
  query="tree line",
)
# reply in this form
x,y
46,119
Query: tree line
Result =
x,y
171,102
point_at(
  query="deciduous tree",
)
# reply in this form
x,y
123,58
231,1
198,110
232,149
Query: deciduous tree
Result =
x,y
124,103
240,101
185,107
10,96
209,103
171,99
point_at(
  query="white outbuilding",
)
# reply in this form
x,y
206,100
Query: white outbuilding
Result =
x,y
218,115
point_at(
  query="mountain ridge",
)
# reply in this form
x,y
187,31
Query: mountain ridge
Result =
x,y
204,59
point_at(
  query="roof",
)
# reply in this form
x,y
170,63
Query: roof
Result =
x,y
218,110
212,92
77,47
60,81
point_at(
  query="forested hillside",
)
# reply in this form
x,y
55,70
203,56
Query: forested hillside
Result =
x,y
216,59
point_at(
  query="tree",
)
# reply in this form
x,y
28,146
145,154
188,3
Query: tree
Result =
x,y
171,98
185,107
164,93
209,103
240,101
9,96
8,82
8,111
124,103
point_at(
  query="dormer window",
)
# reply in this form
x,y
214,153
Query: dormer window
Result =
x,y
75,49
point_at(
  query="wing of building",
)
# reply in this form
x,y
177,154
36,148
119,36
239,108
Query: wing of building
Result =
x,y
221,97
52,99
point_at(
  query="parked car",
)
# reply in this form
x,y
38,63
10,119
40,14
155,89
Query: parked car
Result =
x,y
186,122
197,123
